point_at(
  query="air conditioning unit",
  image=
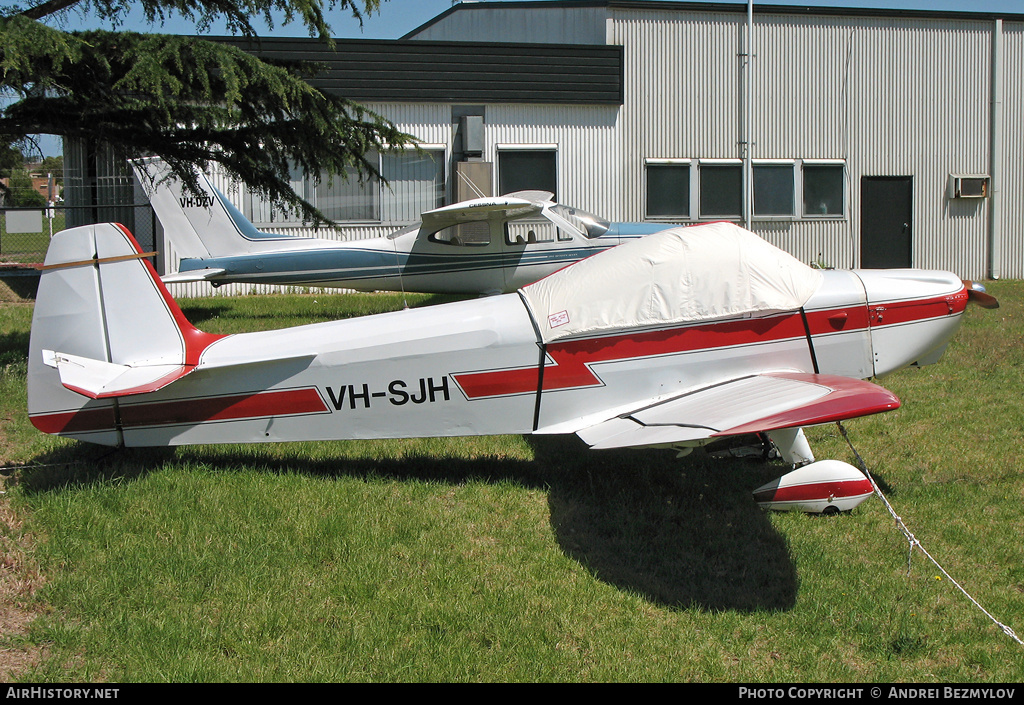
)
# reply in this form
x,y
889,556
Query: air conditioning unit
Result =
x,y
968,185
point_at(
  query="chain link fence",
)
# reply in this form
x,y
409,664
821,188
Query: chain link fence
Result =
x,y
25,232
25,235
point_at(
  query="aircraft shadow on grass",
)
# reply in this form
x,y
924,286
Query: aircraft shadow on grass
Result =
x,y
680,533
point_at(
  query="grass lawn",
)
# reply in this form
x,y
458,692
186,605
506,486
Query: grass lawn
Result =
x,y
515,558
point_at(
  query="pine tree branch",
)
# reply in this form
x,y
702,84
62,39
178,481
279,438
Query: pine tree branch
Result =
x,y
191,101
48,8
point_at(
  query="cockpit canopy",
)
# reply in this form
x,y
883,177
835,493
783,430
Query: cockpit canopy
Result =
x,y
680,275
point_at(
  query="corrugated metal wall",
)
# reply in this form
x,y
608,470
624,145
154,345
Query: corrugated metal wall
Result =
x,y
585,137
682,86
919,106
1011,190
586,140
890,96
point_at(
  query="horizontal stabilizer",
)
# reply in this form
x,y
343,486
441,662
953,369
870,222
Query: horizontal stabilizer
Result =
x,y
97,379
194,275
753,404
100,380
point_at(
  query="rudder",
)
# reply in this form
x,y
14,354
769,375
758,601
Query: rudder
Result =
x,y
104,326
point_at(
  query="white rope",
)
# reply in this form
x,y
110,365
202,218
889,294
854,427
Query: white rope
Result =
x,y
912,540
398,267
46,465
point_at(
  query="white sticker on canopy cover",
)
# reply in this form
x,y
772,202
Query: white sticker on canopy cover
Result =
x,y
558,319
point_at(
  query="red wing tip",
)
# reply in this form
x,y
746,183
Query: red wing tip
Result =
x,y
848,399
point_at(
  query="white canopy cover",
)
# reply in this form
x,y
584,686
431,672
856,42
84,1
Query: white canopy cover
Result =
x,y
697,273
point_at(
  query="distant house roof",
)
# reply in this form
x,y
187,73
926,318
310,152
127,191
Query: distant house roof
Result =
x,y
370,70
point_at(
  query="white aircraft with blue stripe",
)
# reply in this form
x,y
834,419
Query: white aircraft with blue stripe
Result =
x,y
488,245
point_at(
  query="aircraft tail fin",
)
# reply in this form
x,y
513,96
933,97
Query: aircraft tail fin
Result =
x,y
199,225
104,327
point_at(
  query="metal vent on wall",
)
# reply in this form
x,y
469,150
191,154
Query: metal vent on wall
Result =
x,y
968,185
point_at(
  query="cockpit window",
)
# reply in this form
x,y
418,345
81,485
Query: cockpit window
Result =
x,y
473,234
519,232
587,223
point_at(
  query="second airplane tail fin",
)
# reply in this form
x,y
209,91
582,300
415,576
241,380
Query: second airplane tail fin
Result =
x,y
198,225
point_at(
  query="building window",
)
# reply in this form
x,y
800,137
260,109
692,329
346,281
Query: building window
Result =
x,y
528,169
668,189
672,186
347,199
823,190
415,183
721,190
774,187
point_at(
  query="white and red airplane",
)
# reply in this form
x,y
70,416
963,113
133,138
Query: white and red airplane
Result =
x,y
674,340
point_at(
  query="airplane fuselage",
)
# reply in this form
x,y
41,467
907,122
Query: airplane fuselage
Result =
x,y
480,367
408,263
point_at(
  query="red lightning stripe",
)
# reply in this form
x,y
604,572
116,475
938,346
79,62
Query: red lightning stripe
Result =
x,y
570,360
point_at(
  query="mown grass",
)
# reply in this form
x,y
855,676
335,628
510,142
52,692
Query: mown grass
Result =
x,y
529,559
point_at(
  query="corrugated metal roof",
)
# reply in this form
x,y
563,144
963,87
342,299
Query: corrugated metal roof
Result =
x,y
460,72
682,6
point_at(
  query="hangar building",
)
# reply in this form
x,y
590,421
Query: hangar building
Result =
x,y
848,137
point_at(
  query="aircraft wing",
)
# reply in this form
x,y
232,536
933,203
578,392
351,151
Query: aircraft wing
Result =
x,y
479,209
194,275
752,404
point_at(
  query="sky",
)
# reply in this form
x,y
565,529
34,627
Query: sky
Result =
x,y
398,17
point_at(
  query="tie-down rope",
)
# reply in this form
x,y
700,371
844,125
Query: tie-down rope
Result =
x,y
913,539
